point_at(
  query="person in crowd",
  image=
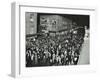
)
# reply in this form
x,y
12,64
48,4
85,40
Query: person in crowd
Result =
x,y
75,59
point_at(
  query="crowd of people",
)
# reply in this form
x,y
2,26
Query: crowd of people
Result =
x,y
63,48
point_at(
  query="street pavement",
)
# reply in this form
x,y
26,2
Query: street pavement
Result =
x,y
84,57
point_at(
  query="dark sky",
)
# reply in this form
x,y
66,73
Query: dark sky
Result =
x,y
82,20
